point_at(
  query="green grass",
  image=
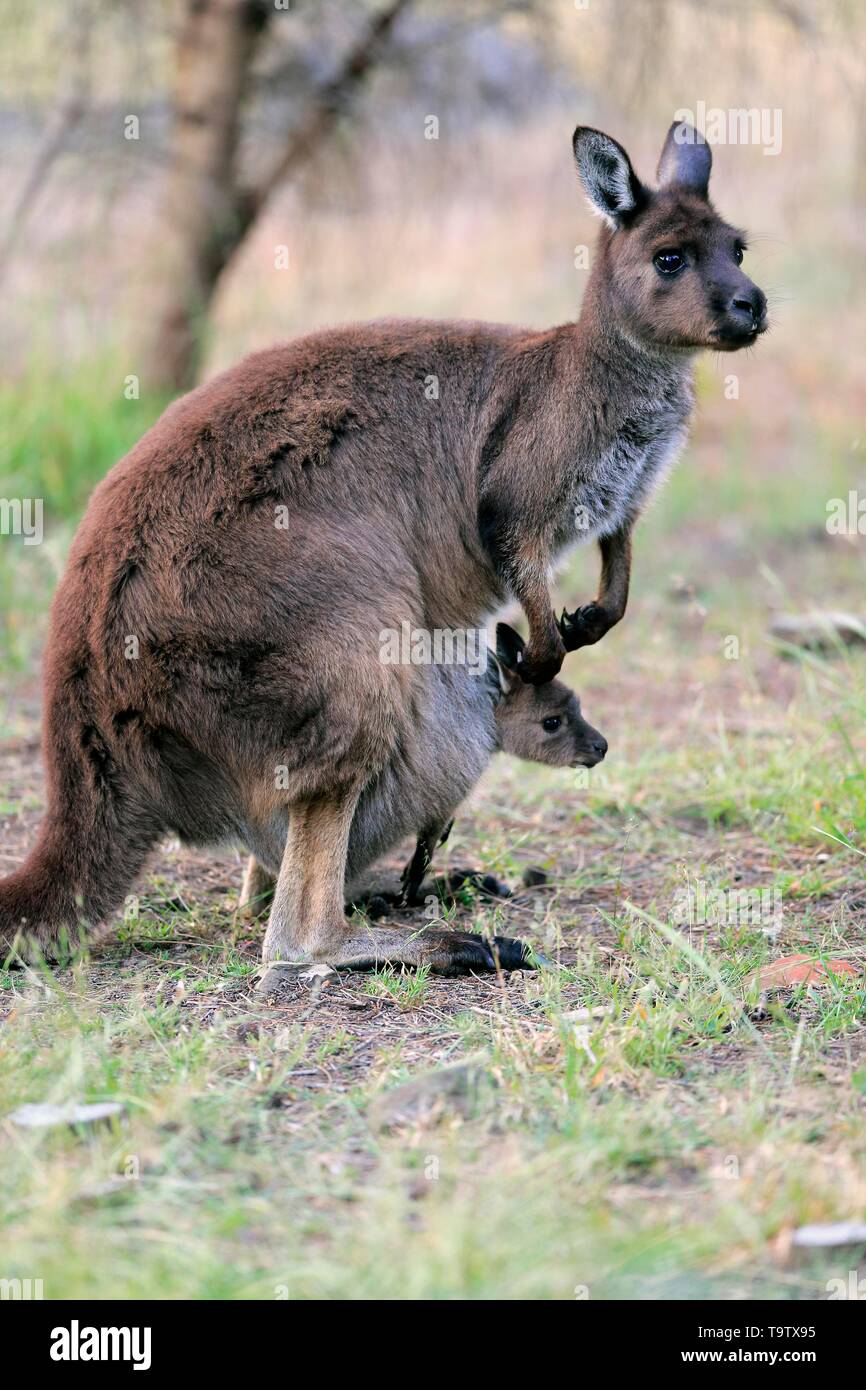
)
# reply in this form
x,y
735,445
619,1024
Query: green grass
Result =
x,y
405,988
808,773
60,435
643,1130
614,1147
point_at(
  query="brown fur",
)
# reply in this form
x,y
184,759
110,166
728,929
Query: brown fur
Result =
x,y
258,539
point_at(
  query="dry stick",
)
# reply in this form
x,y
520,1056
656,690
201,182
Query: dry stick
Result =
x,y
69,116
327,102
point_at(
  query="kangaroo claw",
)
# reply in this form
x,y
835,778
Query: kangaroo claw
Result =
x,y
569,625
584,627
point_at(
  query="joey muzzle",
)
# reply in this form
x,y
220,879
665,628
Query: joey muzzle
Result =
x,y
591,747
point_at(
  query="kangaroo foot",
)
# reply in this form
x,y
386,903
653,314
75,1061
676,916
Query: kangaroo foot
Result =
x,y
445,952
279,973
538,669
449,888
446,888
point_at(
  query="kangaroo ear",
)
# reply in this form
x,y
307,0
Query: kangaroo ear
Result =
x,y
503,681
509,649
686,159
609,182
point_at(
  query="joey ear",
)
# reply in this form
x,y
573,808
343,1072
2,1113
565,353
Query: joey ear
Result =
x,y
509,650
686,159
609,182
504,679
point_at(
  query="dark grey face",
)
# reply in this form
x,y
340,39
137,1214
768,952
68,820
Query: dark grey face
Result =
x,y
545,724
542,723
671,267
678,276
570,740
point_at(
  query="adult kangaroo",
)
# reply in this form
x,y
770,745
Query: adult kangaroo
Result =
x,y
214,649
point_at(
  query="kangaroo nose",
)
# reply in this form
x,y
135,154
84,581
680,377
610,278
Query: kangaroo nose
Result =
x,y
599,745
751,302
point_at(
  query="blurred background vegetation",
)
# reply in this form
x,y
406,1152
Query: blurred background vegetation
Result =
x,y
192,179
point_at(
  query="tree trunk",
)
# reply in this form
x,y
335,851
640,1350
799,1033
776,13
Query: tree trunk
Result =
x,y
203,218
209,211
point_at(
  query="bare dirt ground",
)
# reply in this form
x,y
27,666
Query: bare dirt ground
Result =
x,y
608,855
634,1123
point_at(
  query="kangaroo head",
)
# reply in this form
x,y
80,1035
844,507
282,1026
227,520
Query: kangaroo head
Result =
x,y
541,722
668,267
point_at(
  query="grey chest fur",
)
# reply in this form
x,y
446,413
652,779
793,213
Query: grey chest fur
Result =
x,y
615,478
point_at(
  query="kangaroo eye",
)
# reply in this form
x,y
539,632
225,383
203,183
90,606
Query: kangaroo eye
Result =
x,y
668,262
738,255
551,724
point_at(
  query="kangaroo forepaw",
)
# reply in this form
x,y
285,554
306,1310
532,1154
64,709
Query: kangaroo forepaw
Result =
x,y
538,670
485,884
376,904
585,626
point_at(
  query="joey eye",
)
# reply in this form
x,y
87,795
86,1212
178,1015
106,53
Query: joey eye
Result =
x,y
668,262
551,723
738,254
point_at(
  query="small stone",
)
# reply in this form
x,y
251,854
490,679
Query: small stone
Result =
x,y
823,632
427,1099
45,1116
585,1015
279,973
830,1236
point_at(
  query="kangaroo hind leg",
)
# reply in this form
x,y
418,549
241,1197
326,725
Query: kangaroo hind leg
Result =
x,y
307,921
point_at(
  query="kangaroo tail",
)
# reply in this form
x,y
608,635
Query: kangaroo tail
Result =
x,y
92,844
